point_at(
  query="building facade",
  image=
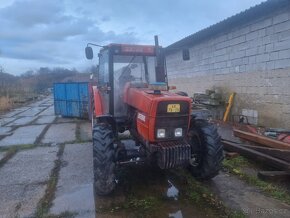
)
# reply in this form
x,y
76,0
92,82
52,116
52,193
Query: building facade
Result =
x,y
249,54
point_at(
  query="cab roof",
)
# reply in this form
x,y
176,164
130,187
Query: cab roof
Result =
x,y
131,49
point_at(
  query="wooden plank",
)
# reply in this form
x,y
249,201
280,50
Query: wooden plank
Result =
x,y
256,155
282,154
274,175
263,140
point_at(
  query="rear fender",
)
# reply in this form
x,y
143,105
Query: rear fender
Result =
x,y
98,106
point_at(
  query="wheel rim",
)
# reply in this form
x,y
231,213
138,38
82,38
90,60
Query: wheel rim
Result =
x,y
196,144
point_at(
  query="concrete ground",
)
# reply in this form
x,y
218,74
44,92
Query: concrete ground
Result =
x,y
46,168
38,135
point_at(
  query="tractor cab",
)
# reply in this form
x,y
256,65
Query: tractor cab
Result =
x,y
141,66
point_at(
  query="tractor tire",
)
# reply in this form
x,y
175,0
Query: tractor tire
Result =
x,y
104,165
207,150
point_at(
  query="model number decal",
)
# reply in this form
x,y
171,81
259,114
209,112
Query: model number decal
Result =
x,y
141,117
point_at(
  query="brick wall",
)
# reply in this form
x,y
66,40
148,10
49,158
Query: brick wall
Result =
x,y
252,60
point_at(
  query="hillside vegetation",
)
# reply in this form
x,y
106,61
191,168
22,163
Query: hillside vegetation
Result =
x,y
19,89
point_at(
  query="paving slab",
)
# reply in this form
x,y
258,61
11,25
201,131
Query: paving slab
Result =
x,y
60,133
45,119
37,103
32,111
23,135
13,113
21,109
23,181
2,155
66,120
48,112
85,131
236,194
21,121
6,120
75,184
5,130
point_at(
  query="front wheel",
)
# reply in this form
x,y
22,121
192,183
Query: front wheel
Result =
x,y
104,165
207,149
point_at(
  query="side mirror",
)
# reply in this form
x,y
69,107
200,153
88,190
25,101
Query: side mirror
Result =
x,y
89,53
185,55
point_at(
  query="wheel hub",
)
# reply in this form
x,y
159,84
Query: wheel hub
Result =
x,y
194,160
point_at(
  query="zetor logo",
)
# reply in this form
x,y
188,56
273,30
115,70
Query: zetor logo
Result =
x,y
141,117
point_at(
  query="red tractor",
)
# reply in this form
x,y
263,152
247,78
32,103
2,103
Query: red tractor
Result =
x,y
132,94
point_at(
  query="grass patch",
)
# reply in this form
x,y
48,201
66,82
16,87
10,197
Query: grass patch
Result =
x,y
146,204
235,166
18,147
45,203
65,214
134,204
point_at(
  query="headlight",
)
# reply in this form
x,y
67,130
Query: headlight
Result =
x,y
160,133
178,132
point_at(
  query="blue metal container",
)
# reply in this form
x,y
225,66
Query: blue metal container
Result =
x,y
72,99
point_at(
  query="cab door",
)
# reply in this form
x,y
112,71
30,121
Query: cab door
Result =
x,y
104,80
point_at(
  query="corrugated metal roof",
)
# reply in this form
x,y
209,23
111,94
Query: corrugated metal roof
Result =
x,y
237,20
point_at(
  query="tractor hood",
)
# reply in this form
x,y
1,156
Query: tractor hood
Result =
x,y
147,101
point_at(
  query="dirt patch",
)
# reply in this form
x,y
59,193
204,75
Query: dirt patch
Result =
x,y
144,191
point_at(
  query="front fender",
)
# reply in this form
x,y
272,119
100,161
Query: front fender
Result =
x,y
98,106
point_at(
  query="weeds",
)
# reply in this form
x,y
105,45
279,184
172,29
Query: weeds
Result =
x,y
235,166
147,204
17,147
5,103
65,214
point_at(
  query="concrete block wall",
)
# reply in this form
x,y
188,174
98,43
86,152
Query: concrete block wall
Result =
x,y
252,60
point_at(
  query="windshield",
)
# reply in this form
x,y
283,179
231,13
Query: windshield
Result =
x,y
139,69
134,68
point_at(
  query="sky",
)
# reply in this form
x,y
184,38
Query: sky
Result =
x,y
54,33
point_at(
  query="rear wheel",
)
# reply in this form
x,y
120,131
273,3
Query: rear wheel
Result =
x,y
207,150
104,165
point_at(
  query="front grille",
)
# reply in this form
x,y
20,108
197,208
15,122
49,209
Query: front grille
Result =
x,y
173,154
